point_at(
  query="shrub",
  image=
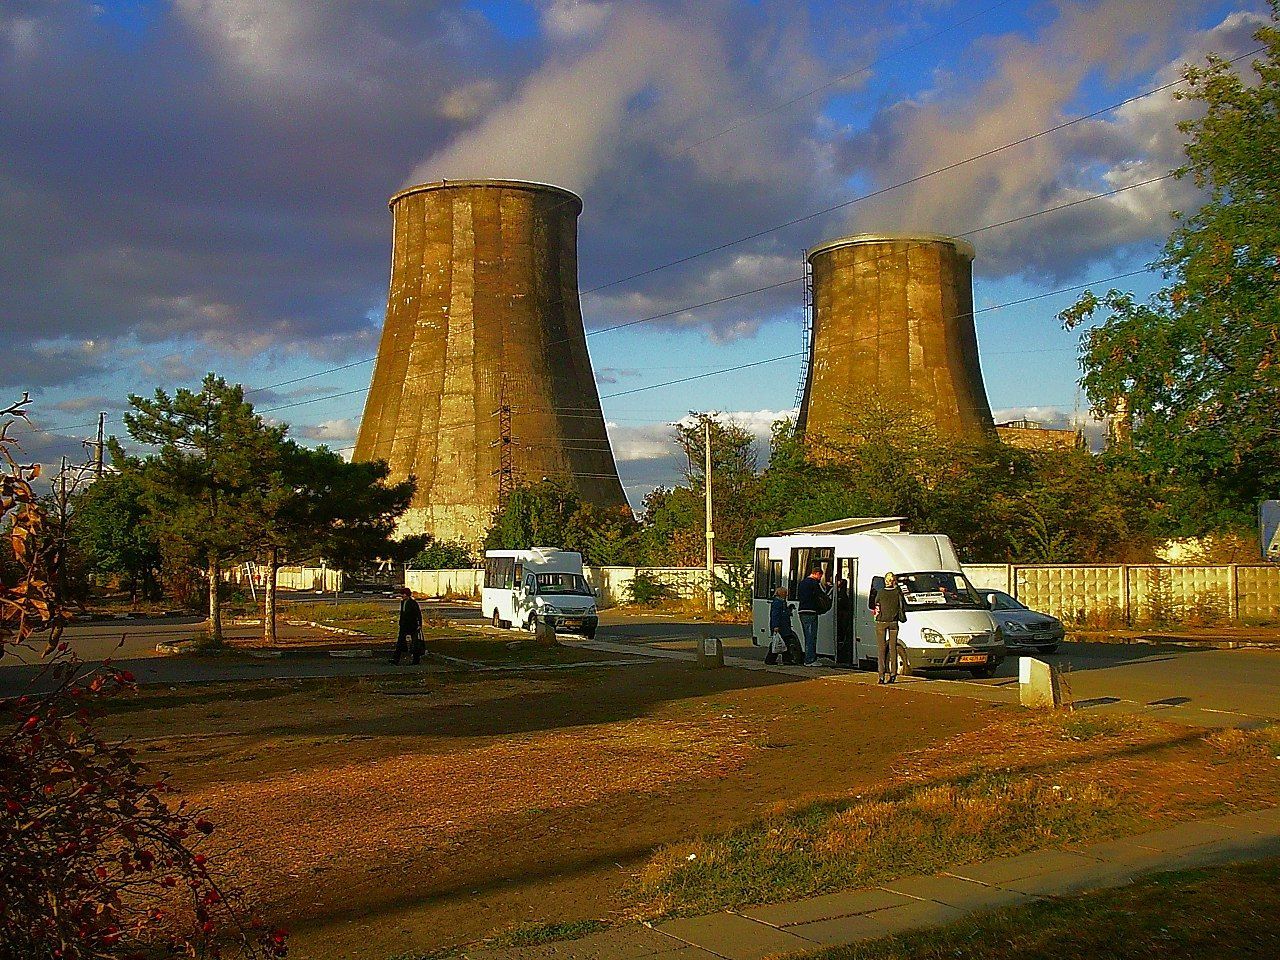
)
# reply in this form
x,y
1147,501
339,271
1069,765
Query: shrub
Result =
x,y
643,590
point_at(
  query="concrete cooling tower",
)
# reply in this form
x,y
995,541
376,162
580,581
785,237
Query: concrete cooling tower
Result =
x,y
482,379
893,319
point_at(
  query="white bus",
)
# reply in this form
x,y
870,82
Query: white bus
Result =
x,y
523,587
948,625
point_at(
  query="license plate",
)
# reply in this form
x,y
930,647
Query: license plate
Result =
x,y
974,658
572,623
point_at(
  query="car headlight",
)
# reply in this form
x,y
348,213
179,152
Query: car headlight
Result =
x,y
932,636
548,608
590,611
1013,626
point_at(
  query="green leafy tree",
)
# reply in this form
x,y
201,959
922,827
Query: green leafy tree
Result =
x,y
550,513
1194,372
443,555
109,529
316,505
205,486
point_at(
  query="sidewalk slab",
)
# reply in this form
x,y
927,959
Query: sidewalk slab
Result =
x,y
881,923
826,907
1074,881
734,937
1255,821
952,891
1184,836
1036,863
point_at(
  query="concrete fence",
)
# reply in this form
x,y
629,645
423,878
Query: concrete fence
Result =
x,y
1101,595
1110,595
313,579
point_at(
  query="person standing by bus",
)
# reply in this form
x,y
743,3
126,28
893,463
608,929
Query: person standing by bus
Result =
x,y
813,598
890,610
782,637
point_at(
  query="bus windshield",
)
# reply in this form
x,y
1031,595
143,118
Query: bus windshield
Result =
x,y
563,583
939,590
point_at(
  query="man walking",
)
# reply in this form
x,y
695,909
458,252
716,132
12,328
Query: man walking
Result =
x,y
781,634
409,633
813,598
890,610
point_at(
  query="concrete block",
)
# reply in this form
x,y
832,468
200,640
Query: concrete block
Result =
x,y
710,653
734,937
1038,684
844,904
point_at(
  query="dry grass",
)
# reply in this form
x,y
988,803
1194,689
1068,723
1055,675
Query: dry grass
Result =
x,y
1048,780
861,841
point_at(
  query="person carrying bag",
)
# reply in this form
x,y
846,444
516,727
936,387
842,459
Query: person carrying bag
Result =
x,y
783,642
890,610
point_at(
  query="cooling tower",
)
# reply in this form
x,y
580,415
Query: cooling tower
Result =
x,y
893,321
482,378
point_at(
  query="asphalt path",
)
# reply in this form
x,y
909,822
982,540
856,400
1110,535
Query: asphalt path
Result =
x,y
1181,681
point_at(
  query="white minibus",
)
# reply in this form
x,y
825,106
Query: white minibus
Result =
x,y
948,625
523,587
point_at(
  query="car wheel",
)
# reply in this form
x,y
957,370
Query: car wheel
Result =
x,y
904,665
983,673
497,620
532,623
589,633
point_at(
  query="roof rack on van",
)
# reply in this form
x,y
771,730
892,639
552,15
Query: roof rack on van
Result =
x,y
851,525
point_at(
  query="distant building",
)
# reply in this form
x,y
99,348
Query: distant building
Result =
x,y
1032,435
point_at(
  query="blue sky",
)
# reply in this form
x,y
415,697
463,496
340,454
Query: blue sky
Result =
x,y
200,184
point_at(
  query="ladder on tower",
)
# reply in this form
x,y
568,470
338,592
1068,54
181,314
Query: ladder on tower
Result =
x,y
806,335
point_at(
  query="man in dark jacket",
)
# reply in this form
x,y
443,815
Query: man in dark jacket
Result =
x,y
408,635
780,626
813,597
890,609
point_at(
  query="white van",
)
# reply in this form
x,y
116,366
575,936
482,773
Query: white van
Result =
x,y
948,625
523,587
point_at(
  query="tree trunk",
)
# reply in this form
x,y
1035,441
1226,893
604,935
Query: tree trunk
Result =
x,y
215,600
269,597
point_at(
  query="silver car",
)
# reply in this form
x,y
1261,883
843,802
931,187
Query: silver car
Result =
x,y
1023,628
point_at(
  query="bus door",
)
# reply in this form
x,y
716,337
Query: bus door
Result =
x,y
804,559
846,605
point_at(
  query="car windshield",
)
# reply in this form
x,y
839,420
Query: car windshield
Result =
x,y
573,584
939,590
1006,602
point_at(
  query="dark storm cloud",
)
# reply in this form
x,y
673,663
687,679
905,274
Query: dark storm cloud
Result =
x,y
223,176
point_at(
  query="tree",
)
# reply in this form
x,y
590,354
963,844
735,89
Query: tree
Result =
x,y
206,485
550,513
1195,370
443,555
110,529
317,505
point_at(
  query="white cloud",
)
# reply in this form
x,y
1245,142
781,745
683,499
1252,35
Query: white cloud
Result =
x,y
343,430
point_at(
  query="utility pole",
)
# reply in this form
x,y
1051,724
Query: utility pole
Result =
x,y
99,446
711,554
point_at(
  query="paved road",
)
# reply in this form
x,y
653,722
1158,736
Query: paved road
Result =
x,y
1180,681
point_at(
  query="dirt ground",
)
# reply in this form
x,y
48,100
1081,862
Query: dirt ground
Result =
x,y
421,813
403,815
